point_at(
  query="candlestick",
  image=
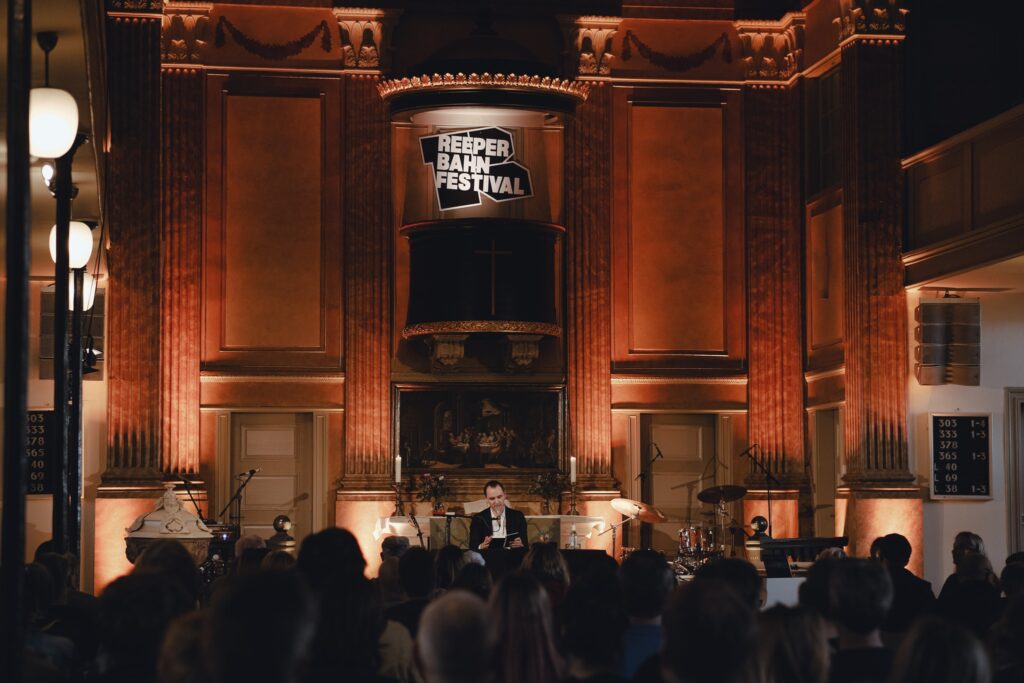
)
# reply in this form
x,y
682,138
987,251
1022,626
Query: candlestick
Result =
x,y
399,507
572,499
398,469
572,469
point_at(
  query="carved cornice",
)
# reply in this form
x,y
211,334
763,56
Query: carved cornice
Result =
x,y
482,326
574,89
134,6
185,31
590,41
870,19
365,36
772,50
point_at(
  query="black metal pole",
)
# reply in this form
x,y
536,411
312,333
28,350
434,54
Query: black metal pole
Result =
x,y
60,355
64,193
18,221
74,513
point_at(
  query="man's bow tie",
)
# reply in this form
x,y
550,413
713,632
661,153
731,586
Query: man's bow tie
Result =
x,y
496,519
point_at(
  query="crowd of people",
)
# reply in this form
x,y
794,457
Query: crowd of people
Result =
x,y
441,617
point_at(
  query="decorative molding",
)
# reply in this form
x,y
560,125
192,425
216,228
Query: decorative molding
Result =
x,y
485,326
522,350
185,31
447,350
628,379
772,50
824,374
273,51
676,63
278,379
575,89
142,6
870,18
364,33
591,41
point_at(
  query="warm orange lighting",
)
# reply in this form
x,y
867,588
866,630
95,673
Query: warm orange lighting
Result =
x,y
360,517
113,516
870,514
785,511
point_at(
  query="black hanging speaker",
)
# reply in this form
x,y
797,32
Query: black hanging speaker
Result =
x,y
948,336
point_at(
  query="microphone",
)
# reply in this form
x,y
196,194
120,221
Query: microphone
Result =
x,y
659,454
749,449
250,472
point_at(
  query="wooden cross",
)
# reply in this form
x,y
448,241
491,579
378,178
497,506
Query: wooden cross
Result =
x,y
494,254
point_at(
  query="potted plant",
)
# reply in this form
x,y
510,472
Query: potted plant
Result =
x,y
433,488
549,486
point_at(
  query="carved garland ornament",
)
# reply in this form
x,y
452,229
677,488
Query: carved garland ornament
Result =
x,y
273,51
575,89
772,50
676,62
872,17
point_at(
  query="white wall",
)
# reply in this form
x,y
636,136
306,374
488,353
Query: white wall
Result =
x,y
38,509
1002,366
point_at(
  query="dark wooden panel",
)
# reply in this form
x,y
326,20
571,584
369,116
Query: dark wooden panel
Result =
x,y
272,257
824,281
940,194
678,263
998,190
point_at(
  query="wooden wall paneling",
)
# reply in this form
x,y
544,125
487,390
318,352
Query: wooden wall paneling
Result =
x,y
682,394
181,254
272,261
588,285
679,284
368,230
875,314
823,281
995,176
132,213
774,250
940,197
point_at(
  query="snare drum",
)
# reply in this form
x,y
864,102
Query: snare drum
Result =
x,y
696,539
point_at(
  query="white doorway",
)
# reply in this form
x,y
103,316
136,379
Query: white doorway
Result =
x,y
279,446
678,459
826,445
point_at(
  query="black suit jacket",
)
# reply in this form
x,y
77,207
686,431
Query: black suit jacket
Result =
x,y
480,527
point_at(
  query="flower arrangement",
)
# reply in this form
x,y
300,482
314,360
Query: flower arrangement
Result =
x,y
549,486
433,488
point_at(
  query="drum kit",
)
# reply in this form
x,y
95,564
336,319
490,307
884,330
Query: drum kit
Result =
x,y
698,544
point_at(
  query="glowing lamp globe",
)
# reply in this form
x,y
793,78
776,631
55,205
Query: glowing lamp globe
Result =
x,y
52,122
88,292
79,244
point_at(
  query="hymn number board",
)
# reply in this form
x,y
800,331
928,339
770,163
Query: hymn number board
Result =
x,y
961,455
39,433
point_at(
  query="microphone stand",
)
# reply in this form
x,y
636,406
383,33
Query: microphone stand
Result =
x,y
236,514
188,491
419,531
768,479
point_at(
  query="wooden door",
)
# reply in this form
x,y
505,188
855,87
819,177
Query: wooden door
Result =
x,y
280,447
687,465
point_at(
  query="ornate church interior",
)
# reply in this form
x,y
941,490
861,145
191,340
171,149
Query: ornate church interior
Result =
x,y
704,277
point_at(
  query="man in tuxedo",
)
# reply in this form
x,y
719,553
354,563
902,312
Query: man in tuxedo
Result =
x,y
498,526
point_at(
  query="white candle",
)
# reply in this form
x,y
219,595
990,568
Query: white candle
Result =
x,y
398,469
572,469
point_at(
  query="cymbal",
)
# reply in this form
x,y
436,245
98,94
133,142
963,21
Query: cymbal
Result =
x,y
721,494
639,510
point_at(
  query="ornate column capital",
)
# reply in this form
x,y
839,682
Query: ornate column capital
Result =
x,y
590,41
365,36
184,31
772,51
871,19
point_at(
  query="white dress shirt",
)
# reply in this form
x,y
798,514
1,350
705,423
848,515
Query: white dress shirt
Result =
x,y
499,529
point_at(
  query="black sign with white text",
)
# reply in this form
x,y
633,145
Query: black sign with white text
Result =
x,y
39,438
468,163
961,455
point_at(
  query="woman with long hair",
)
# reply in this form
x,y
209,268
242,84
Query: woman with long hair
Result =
x,y
522,634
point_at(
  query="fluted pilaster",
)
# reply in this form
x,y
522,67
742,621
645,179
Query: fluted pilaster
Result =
x,y
588,282
182,119
132,213
874,316
367,281
774,262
